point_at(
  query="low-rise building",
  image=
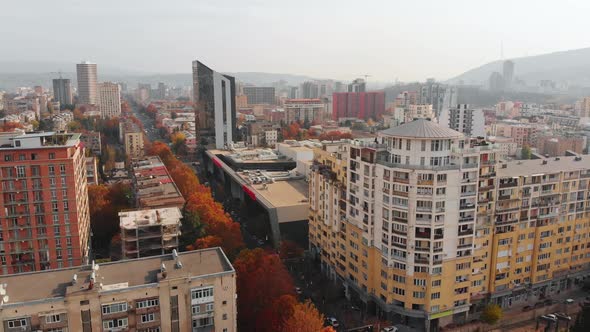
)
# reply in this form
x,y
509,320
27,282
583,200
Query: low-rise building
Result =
x,y
152,184
189,291
149,232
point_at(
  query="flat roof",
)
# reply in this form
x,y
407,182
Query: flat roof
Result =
x,y
149,217
536,166
26,287
283,193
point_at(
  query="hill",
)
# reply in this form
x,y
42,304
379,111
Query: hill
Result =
x,y
568,66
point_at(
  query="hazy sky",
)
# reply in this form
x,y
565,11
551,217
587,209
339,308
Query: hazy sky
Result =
x,y
408,40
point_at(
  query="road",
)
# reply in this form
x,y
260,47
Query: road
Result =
x,y
149,124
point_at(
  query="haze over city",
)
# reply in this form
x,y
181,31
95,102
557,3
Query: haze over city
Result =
x,y
409,40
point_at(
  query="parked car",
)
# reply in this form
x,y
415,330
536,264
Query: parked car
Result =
x,y
332,322
569,301
562,316
527,308
298,290
389,329
549,317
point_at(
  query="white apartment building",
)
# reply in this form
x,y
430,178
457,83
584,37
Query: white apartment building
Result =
x,y
109,100
464,119
87,86
271,137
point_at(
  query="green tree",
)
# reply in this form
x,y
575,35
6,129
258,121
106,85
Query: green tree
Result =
x,y
191,228
526,152
491,313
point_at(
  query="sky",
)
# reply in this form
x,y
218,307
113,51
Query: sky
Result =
x,y
339,39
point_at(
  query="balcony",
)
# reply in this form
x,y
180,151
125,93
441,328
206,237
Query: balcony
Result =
x,y
470,165
508,184
466,232
422,249
467,206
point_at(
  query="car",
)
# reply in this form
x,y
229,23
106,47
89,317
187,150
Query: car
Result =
x,y
527,308
389,329
562,316
298,290
569,301
260,242
332,322
549,317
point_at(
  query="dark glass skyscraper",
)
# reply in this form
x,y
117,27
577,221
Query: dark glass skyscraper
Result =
x,y
214,97
62,91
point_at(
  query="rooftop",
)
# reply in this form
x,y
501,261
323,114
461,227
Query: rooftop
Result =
x,y
26,287
154,187
421,128
35,140
149,217
536,166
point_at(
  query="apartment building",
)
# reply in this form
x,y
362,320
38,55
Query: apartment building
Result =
x,y
44,219
152,184
189,291
109,100
420,111
91,166
394,222
149,232
464,119
131,136
305,110
431,228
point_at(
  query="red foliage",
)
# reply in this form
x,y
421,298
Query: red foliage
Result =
x,y
305,318
290,249
334,135
219,227
262,281
10,126
292,131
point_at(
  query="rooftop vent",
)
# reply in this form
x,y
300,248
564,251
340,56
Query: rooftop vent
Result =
x,y
578,158
504,165
544,162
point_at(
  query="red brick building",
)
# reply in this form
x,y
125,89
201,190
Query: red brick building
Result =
x,y
45,221
360,105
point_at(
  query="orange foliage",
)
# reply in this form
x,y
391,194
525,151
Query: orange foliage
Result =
x,y
10,126
262,280
219,227
292,131
334,135
305,318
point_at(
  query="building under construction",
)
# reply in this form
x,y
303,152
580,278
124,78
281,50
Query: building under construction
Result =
x,y
149,232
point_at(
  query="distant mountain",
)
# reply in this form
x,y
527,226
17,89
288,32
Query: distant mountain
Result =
x,y
568,66
268,78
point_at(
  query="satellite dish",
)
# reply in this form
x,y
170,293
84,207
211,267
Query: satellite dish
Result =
x,y
2,291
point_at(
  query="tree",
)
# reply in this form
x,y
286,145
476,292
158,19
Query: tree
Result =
x,y
526,152
290,249
178,143
305,318
262,280
491,313
10,126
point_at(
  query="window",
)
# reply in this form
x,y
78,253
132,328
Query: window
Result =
x,y
201,293
209,307
148,317
419,295
140,304
22,322
52,319
20,171
113,323
419,282
206,321
436,283
62,168
435,296
114,308
196,309
52,155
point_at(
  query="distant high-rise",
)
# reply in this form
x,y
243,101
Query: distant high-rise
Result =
x,y
496,82
87,83
62,91
466,120
260,95
214,96
309,90
360,105
109,100
508,74
358,85
440,96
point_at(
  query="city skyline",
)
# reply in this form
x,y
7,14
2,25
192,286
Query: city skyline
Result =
x,y
380,42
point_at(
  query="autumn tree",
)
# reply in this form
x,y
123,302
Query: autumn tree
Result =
x,y
262,279
334,136
491,313
178,143
305,318
105,202
10,126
